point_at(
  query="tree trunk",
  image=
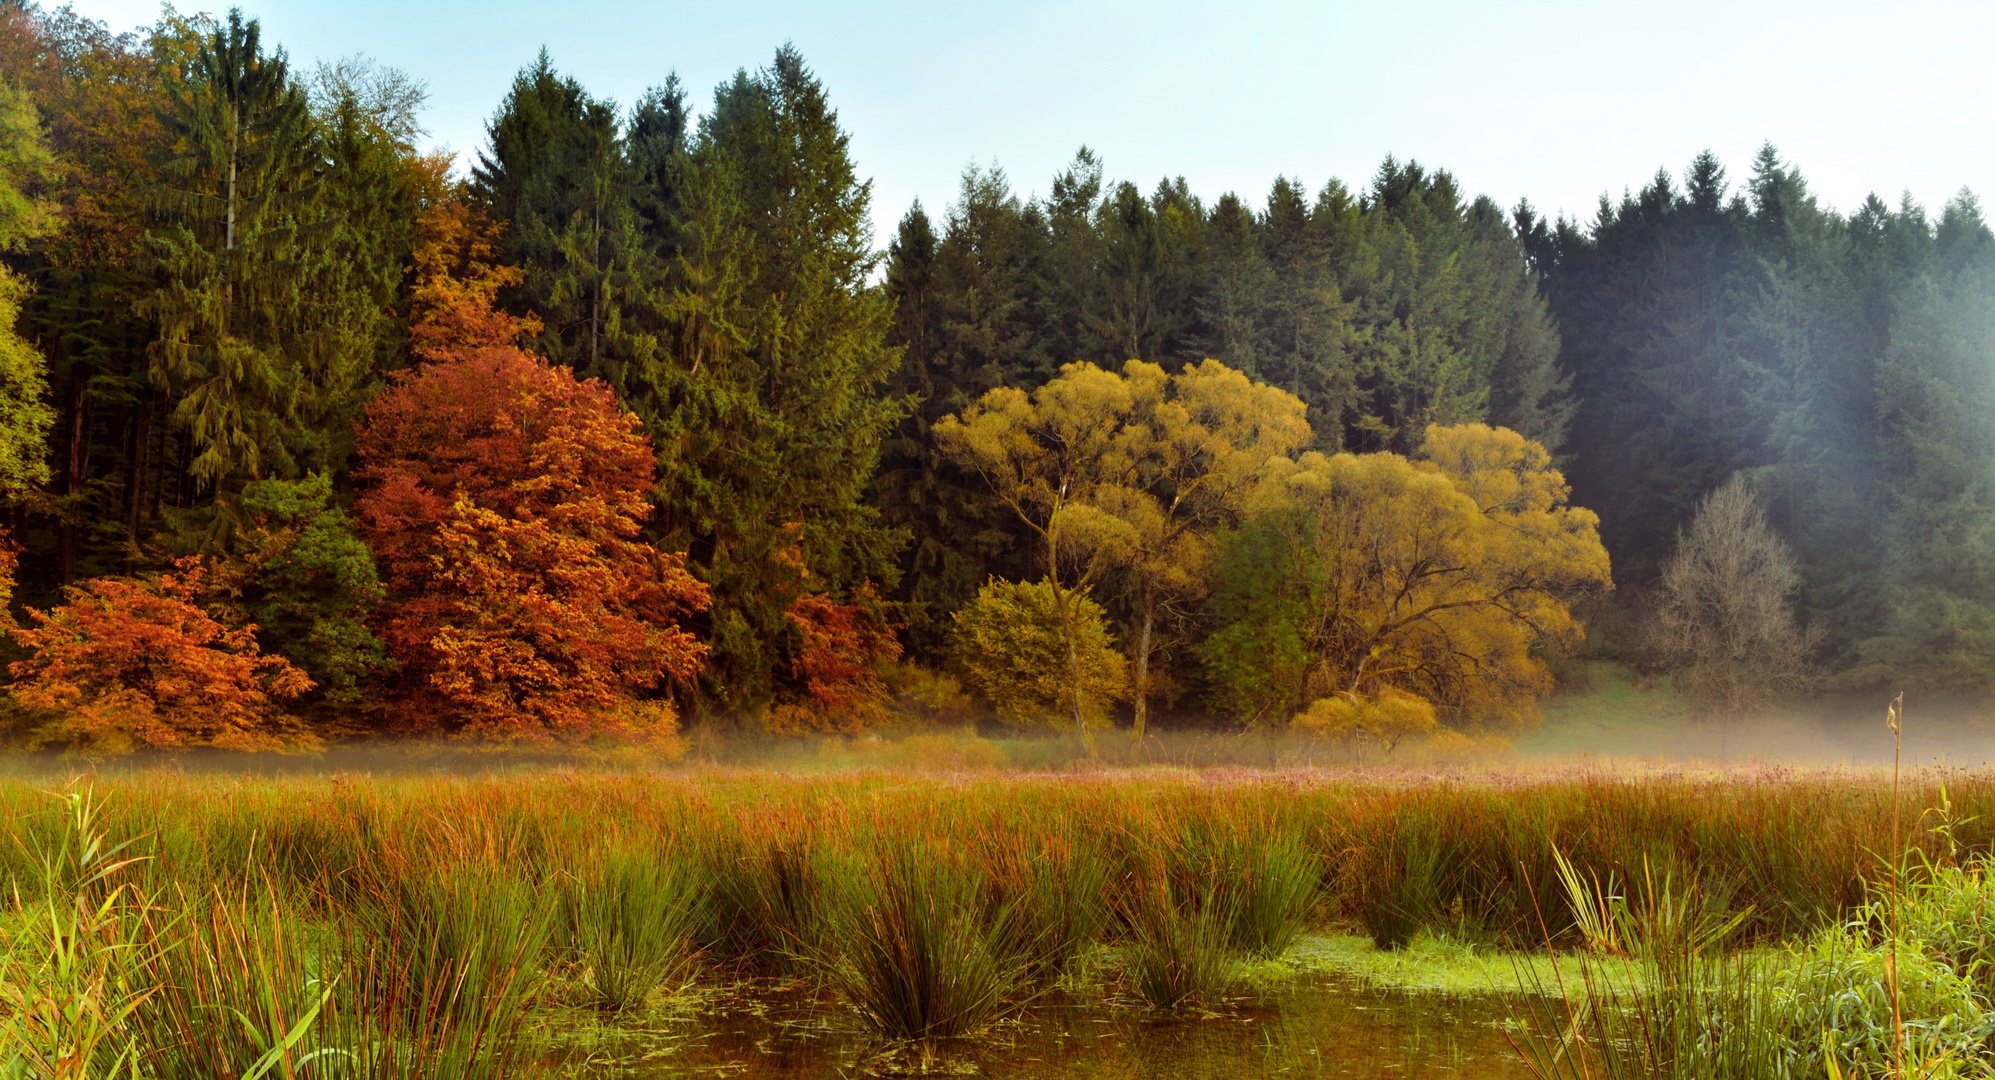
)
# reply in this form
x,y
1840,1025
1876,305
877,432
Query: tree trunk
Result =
x,y
72,471
1073,650
229,233
1143,659
135,473
596,293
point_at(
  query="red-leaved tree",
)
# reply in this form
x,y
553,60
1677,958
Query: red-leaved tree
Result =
x,y
839,661
504,501
125,664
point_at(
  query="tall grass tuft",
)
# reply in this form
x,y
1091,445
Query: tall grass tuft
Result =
x,y
1054,894
74,969
237,994
438,972
1403,894
922,946
1276,881
1177,951
629,919
764,906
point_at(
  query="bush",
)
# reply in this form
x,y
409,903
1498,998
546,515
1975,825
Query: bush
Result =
x,y
125,664
302,575
1387,719
841,663
1009,644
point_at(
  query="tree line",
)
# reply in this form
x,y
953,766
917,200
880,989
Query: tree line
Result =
x,y
629,419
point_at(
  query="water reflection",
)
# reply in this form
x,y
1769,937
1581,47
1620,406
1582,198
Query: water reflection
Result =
x,y
1317,1025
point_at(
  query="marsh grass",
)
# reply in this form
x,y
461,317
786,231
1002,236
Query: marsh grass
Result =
x,y
1177,951
69,979
629,919
422,916
923,948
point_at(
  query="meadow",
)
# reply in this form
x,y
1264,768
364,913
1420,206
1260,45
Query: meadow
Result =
x,y
367,924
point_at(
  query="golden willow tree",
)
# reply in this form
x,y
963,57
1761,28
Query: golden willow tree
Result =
x,y
1126,477
1373,577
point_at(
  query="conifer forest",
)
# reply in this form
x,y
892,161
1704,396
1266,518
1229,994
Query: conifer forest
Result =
x,y
622,597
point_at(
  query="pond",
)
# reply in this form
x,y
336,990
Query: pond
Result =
x,y
1315,1024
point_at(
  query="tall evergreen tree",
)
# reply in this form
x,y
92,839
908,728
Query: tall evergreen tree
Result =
x,y
962,323
556,173
1936,402
236,197
1307,334
770,412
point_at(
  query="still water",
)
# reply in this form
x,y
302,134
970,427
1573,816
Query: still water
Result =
x,y
1312,1025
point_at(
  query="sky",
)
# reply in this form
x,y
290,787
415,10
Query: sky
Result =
x,y
1555,102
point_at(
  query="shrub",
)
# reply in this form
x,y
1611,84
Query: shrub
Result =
x,y
302,575
1387,719
840,663
124,664
931,696
1009,644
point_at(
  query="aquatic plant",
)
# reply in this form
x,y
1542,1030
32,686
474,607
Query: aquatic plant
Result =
x,y
920,947
629,918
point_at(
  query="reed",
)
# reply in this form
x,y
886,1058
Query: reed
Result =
x,y
72,975
922,946
422,914
630,917
1177,951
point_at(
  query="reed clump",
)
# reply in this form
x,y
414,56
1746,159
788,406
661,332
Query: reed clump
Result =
x,y
922,946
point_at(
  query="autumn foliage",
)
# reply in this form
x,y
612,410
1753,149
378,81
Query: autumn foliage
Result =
x,y
1443,577
839,662
140,663
454,303
504,503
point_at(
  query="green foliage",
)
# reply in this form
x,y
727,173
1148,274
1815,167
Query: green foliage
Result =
x,y
25,417
765,403
559,174
1009,644
918,944
306,580
629,921
265,332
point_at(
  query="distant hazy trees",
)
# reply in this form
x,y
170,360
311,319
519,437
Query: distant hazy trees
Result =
x,y
1725,619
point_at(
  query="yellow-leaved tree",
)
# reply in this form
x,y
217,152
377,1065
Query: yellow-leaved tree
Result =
x,y
1130,475
1049,456
1197,443
1443,577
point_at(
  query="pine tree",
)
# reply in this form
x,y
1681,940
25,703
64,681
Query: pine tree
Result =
x,y
557,175
1936,400
1235,289
1649,298
1307,333
769,411
236,196
962,321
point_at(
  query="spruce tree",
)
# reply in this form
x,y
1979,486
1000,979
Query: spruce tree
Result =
x,y
1307,333
556,173
236,197
770,409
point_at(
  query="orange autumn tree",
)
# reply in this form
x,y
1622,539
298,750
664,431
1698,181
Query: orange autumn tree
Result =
x,y
130,664
839,661
505,500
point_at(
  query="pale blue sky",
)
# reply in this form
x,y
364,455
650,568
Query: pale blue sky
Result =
x,y
1555,101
